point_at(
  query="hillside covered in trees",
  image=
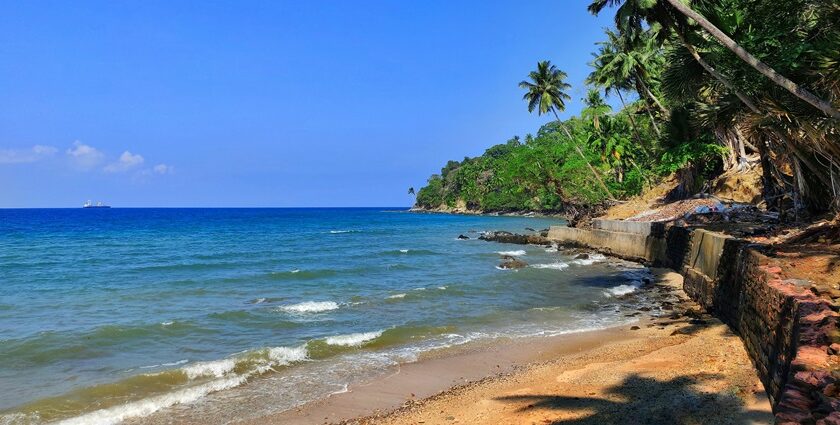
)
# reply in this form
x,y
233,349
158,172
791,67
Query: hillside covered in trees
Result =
x,y
705,87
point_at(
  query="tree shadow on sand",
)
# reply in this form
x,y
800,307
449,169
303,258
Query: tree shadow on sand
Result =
x,y
641,400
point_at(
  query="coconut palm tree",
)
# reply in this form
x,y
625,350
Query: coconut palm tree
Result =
x,y
595,108
546,92
411,191
631,13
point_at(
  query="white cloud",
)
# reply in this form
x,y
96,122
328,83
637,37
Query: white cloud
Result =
x,y
85,156
163,169
22,156
126,162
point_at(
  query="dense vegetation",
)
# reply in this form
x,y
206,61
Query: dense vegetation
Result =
x,y
706,85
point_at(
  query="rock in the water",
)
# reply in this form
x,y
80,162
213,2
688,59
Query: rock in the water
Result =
x,y
634,328
508,237
462,237
530,229
509,262
582,257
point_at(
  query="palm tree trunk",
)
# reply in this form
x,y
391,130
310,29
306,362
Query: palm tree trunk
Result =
x,y
591,168
650,94
633,123
653,121
758,65
711,70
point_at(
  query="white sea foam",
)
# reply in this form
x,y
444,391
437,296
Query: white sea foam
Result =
x,y
554,266
216,368
281,356
145,407
167,323
259,300
404,251
593,258
178,363
295,271
395,296
222,369
552,248
345,389
311,307
342,231
353,340
442,288
620,290
516,253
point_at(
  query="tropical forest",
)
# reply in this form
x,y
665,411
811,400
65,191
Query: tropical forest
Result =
x,y
705,88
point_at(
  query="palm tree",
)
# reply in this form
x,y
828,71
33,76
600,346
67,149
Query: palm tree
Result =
x,y
754,62
411,191
631,61
595,108
546,92
631,13
613,78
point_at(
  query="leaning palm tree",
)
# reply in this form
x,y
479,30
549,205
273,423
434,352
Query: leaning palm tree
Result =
x,y
411,191
546,92
631,13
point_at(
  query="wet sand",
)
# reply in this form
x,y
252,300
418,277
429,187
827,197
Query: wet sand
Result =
x,y
664,370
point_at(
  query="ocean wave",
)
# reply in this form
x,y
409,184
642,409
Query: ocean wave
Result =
x,y
310,307
515,253
592,259
353,340
298,274
620,290
338,232
410,252
554,266
222,374
178,363
396,296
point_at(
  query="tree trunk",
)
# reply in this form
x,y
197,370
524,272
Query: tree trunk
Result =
x,y
758,65
653,121
633,123
742,153
650,94
711,70
591,168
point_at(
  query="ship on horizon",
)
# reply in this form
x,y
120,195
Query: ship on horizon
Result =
x,y
90,204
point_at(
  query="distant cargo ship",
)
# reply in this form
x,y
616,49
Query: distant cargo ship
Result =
x,y
89,204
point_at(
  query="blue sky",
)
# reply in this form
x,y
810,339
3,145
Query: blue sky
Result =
x,y
275,103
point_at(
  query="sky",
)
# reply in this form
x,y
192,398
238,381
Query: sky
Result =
x,y
267,104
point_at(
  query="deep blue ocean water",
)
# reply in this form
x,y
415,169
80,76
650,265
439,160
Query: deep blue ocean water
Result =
x,y
111,314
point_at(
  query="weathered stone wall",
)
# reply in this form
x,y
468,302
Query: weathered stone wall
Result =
x,y
790,334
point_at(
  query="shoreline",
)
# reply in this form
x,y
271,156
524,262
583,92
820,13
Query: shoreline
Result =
x,y
439,388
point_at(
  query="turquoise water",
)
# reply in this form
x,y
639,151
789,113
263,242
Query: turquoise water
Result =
x,y
107,315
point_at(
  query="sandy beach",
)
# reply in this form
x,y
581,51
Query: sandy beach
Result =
x,y
680,367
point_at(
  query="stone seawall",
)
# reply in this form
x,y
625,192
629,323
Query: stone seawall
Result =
x,y
790,334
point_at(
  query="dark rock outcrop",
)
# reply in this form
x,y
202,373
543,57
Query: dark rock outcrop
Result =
x,y
509,262
508,237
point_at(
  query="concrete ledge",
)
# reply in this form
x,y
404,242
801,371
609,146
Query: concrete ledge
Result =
x,y
644,228
791,335
629,246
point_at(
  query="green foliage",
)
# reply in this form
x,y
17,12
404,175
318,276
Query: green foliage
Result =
x,y
686,99
707,155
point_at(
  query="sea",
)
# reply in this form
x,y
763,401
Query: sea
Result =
x,y
112,315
